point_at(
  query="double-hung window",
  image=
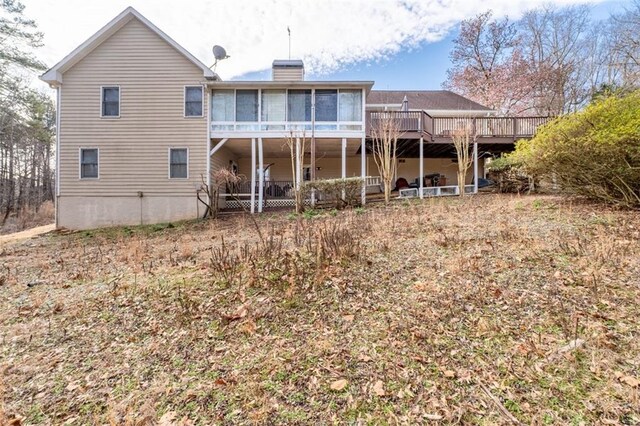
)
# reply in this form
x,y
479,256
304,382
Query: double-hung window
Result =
x,y
178,163
89,163
193,101
110,98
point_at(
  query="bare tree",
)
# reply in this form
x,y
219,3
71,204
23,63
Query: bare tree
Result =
x,y
385,132
220,178
463,139
624,47
296,142
556,44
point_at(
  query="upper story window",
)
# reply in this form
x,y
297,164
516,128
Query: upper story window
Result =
x,y
246,105
193,101
110,101
274,105
223,105
326,105
350,105
88,163
299,105
178,163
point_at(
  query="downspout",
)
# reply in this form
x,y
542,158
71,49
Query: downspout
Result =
x,y
208,148
313,146
56,202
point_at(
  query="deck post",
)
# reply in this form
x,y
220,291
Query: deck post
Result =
x,y
253,175
260,176
344,163
298,177
421,185
475,167
363,169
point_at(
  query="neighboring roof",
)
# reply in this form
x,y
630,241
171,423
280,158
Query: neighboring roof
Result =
x,y
301,84
287,63
54,75
425,99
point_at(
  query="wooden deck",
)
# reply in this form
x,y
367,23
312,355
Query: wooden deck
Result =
x,y
416,124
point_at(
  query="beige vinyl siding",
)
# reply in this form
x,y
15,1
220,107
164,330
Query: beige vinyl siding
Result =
x,y
134,149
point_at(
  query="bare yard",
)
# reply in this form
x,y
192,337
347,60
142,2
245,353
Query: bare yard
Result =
x,y
489,310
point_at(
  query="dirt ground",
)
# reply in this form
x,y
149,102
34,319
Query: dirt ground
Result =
x,y
24,235
489,310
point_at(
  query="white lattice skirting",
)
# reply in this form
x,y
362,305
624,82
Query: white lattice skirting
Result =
x,y
235,204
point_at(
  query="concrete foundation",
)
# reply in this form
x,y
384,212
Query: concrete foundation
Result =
x,y
75,212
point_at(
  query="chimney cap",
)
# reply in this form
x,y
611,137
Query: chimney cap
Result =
x,y
288,63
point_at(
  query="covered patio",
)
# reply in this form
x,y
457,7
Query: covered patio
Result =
x,y
270,176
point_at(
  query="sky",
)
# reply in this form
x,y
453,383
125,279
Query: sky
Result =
x,y
400,44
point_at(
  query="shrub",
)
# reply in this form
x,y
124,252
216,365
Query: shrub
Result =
x,y
593,153
509,175
343,192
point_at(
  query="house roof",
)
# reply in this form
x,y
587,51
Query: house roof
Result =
x,y
301,84
437,100
54,75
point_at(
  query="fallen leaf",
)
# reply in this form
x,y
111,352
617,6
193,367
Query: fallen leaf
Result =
x,y
630,380
449,374
433,417
167,419
348,317
378,388
338,385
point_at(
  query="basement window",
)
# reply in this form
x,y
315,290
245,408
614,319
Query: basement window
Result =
x,y
178,163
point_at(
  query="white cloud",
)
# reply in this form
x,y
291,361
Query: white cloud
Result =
x,y
326,34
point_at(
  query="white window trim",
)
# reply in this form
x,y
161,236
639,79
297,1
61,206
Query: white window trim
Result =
x,y
184,101
82,148
169,163
110,86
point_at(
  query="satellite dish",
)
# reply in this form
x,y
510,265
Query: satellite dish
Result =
x,y
219,53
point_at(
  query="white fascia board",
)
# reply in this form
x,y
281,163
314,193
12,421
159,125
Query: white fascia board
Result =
x,y
54,75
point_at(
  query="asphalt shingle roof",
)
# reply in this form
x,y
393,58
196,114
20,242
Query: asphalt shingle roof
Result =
x,y
425,99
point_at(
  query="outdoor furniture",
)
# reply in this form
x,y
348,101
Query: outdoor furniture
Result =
x,y
401,183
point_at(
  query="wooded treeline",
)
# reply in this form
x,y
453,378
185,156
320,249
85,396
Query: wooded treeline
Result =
x,y
551,61
27,120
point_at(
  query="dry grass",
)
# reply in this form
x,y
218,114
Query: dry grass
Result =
x,y
451,310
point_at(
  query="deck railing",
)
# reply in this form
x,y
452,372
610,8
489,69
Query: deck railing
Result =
x,y
404,121
444,127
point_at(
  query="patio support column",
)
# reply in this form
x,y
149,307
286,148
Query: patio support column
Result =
x,y
421,185
363,169
260,175
344,162
253,175
298,177
475,167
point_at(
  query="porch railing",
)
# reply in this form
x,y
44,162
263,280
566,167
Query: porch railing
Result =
x,y
272,189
